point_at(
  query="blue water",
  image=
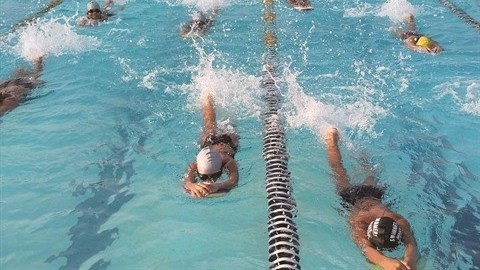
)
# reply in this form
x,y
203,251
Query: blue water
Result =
x,y
91,164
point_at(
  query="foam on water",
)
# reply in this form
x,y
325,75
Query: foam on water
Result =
x,y
50,37
306,111
235,92
395,9
203,5
360,10
465,95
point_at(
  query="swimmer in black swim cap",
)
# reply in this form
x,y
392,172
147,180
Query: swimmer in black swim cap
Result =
x,y
374,226
199,24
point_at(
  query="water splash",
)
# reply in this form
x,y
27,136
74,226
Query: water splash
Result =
x,y
235,92
360,10
395,10
465,95
50,37
203,5
303,110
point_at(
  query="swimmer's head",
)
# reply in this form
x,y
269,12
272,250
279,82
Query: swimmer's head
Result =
x,y
199,16
209,161
424,42
93,5
384,233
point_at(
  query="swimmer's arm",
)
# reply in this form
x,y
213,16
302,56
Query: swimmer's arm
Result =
x,y
410,43
371,253
197,190
8,104
107,4
411,252
82,22
38,67
190,176
232,181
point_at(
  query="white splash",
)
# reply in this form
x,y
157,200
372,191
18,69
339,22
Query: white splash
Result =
x,y
235,92
52,38
360,10
306,111
202,5
395,10
466,95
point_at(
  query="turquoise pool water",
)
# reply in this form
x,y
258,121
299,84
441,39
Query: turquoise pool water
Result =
x,y
91,164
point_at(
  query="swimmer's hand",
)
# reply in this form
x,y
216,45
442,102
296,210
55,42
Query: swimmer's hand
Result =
x,y
434,50
410,262
211,187
201,190
395,264
196,190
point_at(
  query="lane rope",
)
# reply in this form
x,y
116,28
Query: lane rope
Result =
x,y
52,4
283,243
461,14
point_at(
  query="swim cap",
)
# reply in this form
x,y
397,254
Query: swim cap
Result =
x,y
93,5
384,232
208,161
199,16
424,42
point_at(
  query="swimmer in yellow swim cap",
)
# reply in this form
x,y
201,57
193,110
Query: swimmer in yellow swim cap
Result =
x,y
416,41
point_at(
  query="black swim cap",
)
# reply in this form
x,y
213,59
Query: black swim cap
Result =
x,y
384,232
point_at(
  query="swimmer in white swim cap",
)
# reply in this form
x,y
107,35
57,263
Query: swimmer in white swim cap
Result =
x,y
216,156
95,14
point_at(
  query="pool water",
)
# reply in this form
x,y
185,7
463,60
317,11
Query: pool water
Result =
x,y
91,164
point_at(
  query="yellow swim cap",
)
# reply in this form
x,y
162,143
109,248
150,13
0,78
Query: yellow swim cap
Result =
x,y
424,42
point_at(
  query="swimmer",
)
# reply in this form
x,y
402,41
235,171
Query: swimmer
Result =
x,y
300,4
15,90
95,14
374,226
217,155
416,41
199,24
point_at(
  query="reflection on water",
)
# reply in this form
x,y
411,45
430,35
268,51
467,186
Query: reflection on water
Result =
x,y
109,195
452,210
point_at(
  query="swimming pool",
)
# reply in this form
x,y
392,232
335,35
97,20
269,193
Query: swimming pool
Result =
x,y
91,163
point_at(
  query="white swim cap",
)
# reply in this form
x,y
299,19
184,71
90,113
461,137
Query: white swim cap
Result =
x,y
208,161
93,5
199,16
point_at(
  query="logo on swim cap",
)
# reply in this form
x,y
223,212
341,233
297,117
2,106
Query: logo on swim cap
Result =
x,y
384,232
424,42
209,161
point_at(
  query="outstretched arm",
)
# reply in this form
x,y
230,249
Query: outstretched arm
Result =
x,y
230,183
38,67
411,22
371,253
190,183
411,252
335,159
107,4
209,117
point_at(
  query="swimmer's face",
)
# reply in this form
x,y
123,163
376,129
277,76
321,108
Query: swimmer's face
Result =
x,y
209,177
94,14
